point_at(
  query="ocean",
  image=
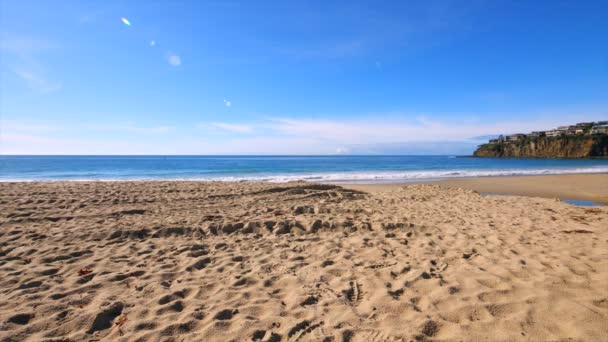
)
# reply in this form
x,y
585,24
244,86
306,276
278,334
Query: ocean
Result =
x,y
351,169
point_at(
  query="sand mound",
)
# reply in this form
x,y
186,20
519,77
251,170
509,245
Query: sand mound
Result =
x,y
296,262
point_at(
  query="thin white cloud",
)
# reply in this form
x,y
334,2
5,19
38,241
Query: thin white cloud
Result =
x,y
411,129
26,126
375,134
29,127
25,138
144,130
44,137
174,60
129,128
38,82
25,65
418,129
237,128
24,144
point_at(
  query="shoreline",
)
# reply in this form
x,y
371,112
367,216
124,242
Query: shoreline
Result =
x,y
586,187
303,178
580,186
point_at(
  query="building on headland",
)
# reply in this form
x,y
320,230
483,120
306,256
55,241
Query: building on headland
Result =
x,y
600,129
581,128
516,137
571,130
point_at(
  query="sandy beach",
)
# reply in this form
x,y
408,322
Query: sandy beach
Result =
x,y
211,261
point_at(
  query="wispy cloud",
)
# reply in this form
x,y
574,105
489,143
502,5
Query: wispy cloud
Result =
x,y
351,131
26,65
38,82
406,128
392,134
32,127
26,138
131,128
237,128
56,137
28,126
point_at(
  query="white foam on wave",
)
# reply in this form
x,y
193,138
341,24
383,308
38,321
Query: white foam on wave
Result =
x,y
353,176
383,176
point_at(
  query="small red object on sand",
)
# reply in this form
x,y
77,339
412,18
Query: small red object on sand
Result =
x,y
84,271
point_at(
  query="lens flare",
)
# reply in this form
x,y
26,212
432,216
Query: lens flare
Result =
x,y
125,21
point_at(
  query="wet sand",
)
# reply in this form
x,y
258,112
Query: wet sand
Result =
x,y
195,261
586,187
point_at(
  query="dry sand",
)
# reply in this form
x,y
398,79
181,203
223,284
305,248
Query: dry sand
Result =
x,y
285,262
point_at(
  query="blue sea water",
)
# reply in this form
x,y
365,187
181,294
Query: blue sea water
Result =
x,y
281,168
352,169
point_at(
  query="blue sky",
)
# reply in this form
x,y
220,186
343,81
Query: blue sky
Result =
x,y
294,77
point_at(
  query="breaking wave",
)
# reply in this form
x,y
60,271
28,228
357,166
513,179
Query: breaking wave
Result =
x,y
395,176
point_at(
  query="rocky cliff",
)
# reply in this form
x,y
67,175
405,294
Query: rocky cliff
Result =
x,y
587,146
